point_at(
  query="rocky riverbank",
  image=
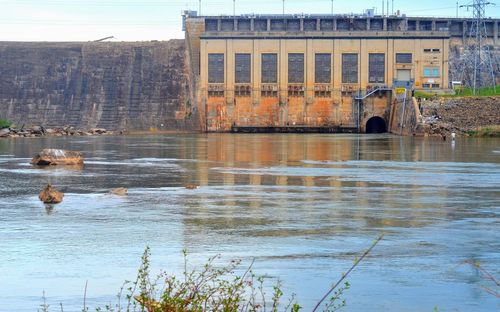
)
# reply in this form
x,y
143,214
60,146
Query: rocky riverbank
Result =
x,y
39,131
467,116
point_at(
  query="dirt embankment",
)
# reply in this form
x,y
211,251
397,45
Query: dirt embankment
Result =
x,y
464,116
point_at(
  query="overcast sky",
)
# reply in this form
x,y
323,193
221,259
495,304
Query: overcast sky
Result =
x,y
137,20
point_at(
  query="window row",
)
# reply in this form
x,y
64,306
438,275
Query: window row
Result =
x,y
296,69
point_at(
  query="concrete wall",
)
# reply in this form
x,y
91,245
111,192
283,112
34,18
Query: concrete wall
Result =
x,y
135,86
456,27
405,115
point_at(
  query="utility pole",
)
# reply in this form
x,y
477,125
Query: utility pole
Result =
x,y
234,7
383,12
477,61
283,8
457,9
199,7
332,7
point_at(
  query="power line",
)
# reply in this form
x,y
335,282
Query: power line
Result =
x,y
477,61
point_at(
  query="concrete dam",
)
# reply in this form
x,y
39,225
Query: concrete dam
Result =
x,y
133,86
270,73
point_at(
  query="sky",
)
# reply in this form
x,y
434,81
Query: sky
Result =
x,y
145,20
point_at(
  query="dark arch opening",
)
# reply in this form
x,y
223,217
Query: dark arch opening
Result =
x,y
376,125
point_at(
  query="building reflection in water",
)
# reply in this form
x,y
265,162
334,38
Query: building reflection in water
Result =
x,y
335,177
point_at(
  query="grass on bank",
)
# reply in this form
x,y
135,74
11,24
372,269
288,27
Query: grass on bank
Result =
x,y
487,91
4,123
485,132
214,288
461,92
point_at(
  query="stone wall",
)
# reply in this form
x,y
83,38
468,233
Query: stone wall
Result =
x,y
133,85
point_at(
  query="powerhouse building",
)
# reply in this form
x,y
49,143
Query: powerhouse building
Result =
x,y
338,72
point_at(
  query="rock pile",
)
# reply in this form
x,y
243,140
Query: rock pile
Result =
x,y
38,131
460,115
49,195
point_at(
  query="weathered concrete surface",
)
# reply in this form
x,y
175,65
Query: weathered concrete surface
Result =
x,y
404,115
133,85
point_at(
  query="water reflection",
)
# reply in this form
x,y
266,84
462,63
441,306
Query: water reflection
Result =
x,y
49,208
303,205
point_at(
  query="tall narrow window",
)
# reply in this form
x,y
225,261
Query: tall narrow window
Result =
x,y
269,68
215,68
296,68
323,68
242,68
376,68
350,68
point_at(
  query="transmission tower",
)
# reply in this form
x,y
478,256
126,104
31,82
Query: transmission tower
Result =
x,y
477,58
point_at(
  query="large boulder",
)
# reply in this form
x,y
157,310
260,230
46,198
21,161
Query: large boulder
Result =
x,y
51,131
121,191
49,195
4,132
97,131
37,130
191,186
50,157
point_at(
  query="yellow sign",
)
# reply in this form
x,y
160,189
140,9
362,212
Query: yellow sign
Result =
x,y
400,90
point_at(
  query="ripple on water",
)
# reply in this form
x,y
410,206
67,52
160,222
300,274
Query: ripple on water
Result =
x,y
175,160
135,163
266,197
436,174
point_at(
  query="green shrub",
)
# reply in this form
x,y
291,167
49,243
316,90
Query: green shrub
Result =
x,y
489,131
214,288
5,123
211,288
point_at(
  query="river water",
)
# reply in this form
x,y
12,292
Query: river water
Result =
x,y
302,206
